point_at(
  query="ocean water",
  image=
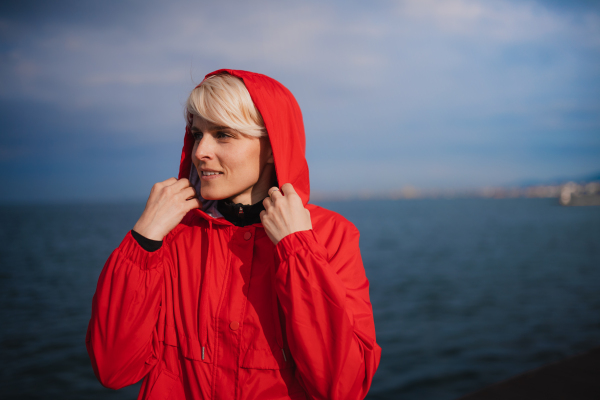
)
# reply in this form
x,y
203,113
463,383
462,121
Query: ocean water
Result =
x,y
465,292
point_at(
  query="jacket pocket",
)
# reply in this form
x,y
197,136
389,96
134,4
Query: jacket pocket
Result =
x,y
266,358
190,347
270,364
164,385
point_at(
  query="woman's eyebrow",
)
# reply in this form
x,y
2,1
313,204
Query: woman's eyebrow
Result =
x,y
212,128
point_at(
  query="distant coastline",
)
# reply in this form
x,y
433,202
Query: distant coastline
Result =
x,y
567,193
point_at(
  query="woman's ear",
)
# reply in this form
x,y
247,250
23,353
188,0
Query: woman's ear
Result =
x,y
270,159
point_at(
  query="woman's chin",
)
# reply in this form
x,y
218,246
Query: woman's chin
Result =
x,y
212,195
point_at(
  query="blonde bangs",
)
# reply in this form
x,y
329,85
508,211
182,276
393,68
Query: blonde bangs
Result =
x,y
224,100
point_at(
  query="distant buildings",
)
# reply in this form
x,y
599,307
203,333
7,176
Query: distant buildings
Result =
x,y
572,194
568,194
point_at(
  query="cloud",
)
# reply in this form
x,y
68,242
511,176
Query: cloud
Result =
x,y
502,21
437,77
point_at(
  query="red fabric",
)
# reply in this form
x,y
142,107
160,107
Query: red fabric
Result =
x,y
291,321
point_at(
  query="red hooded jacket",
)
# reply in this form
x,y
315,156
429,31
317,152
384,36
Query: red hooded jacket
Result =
x,y
219,312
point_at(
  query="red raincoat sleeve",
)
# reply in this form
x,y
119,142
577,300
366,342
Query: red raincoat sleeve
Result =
x,y
324,294
122,336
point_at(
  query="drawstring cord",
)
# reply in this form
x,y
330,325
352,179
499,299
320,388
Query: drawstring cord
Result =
x,y
276,319
204,293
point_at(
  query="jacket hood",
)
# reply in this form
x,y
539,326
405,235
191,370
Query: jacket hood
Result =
x,y
283,121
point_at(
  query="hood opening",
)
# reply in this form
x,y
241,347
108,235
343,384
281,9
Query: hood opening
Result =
x,y
285,128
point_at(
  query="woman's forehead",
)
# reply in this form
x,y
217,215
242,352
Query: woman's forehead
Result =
x,y
205,125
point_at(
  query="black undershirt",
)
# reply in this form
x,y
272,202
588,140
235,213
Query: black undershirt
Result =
x,y
147,244
238,214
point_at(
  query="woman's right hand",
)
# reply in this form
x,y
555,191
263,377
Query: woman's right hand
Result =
x,y
168,203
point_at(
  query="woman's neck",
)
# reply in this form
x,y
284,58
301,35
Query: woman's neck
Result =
x,y
257,192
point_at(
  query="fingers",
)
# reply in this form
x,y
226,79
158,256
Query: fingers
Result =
x,y
188,193
169,181
177,187
169,184
268,203
159,186
288,189
274,193
182,183
193,203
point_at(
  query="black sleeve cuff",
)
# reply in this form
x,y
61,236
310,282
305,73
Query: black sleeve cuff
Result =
x,y
146,244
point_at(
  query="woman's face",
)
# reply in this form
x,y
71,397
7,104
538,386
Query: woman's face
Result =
x,y
230,165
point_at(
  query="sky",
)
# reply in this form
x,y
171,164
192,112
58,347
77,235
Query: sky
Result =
x,y
453,94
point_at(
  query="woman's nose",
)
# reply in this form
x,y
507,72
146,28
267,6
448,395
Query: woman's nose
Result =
x,y
204,149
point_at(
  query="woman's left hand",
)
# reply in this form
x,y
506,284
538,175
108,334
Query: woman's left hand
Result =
x,y
284,213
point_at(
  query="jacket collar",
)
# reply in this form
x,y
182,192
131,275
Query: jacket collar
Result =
x,y
240,214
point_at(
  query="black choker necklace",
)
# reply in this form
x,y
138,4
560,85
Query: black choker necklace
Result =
x,y
240,214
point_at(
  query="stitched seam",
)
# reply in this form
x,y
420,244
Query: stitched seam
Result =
x,y
214,352
242,315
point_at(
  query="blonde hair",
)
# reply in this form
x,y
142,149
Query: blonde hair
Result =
x,y
224,100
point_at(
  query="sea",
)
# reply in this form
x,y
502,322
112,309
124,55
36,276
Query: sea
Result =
x,y
465,292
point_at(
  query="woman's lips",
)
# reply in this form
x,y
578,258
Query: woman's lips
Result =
x,y
210,175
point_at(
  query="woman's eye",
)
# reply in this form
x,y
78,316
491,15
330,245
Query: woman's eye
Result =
x,y
223,134
197,135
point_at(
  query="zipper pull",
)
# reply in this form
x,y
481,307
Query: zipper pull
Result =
x,y
241,212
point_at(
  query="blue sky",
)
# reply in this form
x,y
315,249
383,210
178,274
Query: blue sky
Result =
x,y
432,94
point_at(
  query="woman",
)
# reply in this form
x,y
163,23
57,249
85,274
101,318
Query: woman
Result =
x,y
229,287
